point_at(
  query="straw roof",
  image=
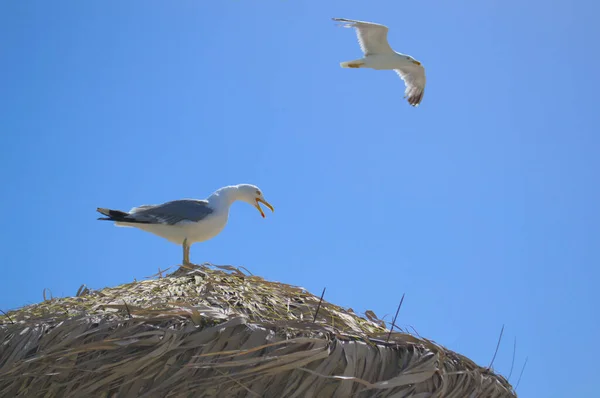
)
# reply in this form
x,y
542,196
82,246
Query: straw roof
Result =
x,y
216,331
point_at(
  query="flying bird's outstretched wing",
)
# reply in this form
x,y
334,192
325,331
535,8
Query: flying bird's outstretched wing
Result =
x,y
414,79
372,37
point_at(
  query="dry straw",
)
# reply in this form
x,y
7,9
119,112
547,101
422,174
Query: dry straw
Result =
x,y
215,331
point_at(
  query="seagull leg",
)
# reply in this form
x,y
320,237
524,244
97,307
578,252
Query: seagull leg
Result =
x,y
186,253
357,63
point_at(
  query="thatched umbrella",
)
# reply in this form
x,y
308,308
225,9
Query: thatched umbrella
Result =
x,y
205,332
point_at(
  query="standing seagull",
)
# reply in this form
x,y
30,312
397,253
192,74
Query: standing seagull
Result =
x,y
187,221
379,55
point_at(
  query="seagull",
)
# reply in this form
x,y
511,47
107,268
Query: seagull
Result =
x,y
188,221
372,38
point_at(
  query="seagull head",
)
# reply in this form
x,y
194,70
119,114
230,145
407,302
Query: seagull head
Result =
x,y
414,61
253,195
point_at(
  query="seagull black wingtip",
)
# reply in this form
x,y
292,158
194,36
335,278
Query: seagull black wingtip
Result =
x,y
117,216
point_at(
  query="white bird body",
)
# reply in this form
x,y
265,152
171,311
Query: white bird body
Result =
x,y
379,55
193,231
187,221
388,61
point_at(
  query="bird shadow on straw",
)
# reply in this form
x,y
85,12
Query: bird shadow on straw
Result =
x,y
184,269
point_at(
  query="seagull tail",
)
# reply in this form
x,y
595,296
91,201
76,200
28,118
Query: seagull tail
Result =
x,y
118,216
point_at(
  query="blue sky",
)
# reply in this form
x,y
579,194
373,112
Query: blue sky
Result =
x,y
481,205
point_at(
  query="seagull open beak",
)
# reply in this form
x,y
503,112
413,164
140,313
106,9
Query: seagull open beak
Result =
x,y
416,62
265,203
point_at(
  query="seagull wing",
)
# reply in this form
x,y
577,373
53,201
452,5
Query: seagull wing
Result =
x,y
372,37
414,79
171,213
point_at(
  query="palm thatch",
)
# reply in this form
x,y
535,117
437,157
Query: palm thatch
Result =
x,y
213,331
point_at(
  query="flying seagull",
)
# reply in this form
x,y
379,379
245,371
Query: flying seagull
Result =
x,y
379,55
187,221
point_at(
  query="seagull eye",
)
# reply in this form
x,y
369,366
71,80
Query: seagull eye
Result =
x,y
258,193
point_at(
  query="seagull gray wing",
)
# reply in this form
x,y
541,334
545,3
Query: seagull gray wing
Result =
x,y
171,213
414,79
372,37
